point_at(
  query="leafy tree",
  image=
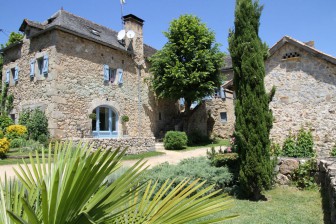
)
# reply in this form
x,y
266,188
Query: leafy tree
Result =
x,y
188,65
72,188
36,121
13,38
253,116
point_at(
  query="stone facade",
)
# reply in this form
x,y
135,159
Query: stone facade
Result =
x,y
214,117
305,94
75,86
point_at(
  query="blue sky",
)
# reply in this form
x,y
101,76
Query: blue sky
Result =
x,y
304,20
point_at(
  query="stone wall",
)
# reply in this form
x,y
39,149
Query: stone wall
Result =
x,y
305,96
135,145
327,168
207,117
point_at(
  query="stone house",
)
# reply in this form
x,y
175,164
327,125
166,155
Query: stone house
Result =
x,y
86,79
305,81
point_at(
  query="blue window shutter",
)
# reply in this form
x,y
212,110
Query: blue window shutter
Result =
x,y
7,76
106,73
32,68
45,64
222,93
16,73
120,75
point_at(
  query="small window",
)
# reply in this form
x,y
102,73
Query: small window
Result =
x,y
223,116
291,55
160,117
112,75
13,75
40,65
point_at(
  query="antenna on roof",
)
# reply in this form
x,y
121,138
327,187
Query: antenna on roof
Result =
x,y
62,8
122,2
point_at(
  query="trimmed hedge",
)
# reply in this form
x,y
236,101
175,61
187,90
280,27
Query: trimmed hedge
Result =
x,y
175,140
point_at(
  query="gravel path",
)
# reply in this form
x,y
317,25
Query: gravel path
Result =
x,y
172,157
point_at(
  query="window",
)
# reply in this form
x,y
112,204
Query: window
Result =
x,y
114,76
223,116
160,117
40,66
13,74
106,122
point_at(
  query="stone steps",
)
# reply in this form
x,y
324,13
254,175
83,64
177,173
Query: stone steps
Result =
x,y
159,146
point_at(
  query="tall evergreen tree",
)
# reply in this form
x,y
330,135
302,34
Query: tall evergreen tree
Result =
x,y
253,116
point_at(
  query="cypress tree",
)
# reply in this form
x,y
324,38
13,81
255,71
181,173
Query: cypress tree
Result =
x,y
253,116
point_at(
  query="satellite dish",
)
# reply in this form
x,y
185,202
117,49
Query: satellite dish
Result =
x,y
130,34
121,34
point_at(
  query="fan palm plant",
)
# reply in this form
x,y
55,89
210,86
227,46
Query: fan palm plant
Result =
x,y
71,188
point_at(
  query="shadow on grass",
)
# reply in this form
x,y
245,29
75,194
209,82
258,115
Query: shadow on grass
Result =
x,y
325,198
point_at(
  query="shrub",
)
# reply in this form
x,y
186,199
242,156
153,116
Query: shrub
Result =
x,y
275,149
301,145
304,176
1,134
36,122
175,140
4,147
192,168
5,121
16,131
333,151
197,138
43,139
305,143
289,146
124,118
17,143
225,159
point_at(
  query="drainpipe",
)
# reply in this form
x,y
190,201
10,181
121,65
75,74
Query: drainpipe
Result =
x,y
139,98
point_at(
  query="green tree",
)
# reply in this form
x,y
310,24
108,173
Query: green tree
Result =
x,y
72,188
188,65
253,116
13,38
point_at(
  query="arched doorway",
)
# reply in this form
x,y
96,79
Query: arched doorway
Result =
x,y
106,123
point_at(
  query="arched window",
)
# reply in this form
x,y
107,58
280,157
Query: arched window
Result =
x,y
106,122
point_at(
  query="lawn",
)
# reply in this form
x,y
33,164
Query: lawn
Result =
x,y
284,205
217,142
142,155
17,153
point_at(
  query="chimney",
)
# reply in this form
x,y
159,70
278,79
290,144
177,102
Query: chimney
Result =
x,y
310,43
131,22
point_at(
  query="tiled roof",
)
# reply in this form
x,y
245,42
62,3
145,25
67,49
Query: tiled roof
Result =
x,y
299,44
76,25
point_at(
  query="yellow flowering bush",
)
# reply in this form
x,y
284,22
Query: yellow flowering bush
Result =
x,y
4,147
16,131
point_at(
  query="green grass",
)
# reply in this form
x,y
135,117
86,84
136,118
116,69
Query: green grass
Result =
x,y
142,155
284,205
218,142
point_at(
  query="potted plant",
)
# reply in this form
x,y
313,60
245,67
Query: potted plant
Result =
x,y
124,120
93,116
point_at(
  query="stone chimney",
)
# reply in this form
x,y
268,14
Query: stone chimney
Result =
x,y
131,22
310,43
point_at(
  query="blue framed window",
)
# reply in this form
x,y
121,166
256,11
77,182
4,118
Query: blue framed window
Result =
x,y
106,123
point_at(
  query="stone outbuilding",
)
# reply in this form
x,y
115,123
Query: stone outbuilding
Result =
x,y
305,81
